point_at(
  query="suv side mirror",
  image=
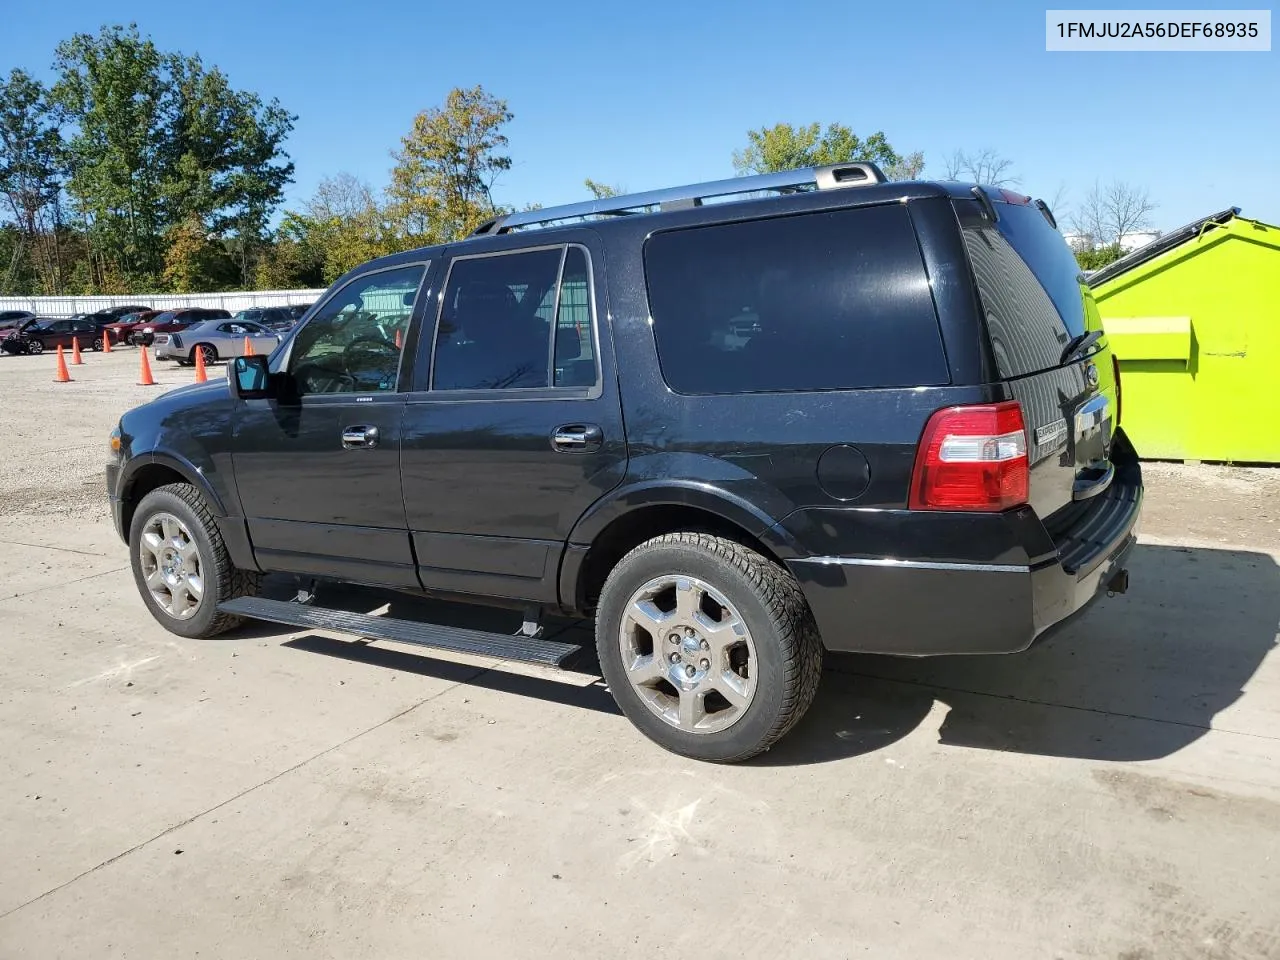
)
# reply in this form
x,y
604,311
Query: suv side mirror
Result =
x,y
250,378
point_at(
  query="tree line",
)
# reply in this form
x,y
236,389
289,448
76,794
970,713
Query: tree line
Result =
x,y
141,170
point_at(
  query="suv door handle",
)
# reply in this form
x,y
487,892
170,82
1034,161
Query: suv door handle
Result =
x,y
360,436
577,438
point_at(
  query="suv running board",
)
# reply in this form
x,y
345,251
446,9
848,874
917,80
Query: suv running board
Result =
x,y
455,639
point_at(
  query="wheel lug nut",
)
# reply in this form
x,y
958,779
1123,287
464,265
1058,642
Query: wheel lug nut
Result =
x,y
704,645
689,671
705,664
688,631
674,658
674,638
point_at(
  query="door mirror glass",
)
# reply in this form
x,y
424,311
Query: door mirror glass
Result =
x,y
250,377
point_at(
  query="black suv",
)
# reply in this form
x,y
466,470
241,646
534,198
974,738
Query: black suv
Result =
x,y
833,412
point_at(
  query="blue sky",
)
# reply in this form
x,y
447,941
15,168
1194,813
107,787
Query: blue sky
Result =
x,y
658,93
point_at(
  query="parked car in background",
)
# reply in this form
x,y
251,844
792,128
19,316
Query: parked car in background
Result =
x,y
11,320
274,318
123,326
171,321
39,335
298,309
216,339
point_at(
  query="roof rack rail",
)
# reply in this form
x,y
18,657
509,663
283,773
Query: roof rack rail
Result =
x,y
830,177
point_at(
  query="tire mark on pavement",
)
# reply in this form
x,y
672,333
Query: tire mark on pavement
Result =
x,y
46,546
63,583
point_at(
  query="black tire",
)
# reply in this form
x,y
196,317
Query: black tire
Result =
x,y
35,347
788,649
222,580
209,350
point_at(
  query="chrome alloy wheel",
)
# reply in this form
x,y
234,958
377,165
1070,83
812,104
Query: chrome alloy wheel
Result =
x,y
688,654
171,566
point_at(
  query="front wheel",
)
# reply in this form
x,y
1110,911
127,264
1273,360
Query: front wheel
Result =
x,y
35,347
708,647
181,565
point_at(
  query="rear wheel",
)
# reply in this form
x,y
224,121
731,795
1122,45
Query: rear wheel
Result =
x,y
181,565
707,646
35,347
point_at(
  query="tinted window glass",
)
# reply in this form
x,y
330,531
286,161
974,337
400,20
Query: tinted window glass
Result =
x,y
823,301
349,345
575,360
495,327
1033,293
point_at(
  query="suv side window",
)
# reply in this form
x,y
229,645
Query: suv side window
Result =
x,y
349,346
575,361
820,301
496,322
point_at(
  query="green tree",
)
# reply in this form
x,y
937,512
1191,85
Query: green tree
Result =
x,y
1098,257
31,181
158,141
227,164
602,191
784,147
194,263
112,90
293,260
442,183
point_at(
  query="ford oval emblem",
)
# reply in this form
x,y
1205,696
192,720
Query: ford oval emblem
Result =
x,y
1091,375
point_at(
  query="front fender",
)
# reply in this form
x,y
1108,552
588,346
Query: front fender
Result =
x,y
131,469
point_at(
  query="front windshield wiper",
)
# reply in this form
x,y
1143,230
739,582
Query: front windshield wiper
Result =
x,y
1078,345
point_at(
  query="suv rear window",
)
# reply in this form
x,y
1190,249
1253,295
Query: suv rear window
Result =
x,y
821,301
1032,290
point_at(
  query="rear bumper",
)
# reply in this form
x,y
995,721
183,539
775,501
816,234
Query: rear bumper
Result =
x,y
918,607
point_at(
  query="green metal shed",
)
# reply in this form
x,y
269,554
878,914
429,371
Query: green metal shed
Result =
x,y
1194,319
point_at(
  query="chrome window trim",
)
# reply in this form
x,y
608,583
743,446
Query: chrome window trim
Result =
x,y
549,392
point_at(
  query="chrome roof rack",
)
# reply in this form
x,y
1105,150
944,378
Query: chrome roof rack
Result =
x,y
680,198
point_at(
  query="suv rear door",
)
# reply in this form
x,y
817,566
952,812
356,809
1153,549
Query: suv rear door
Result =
x,y
1037,307
514,427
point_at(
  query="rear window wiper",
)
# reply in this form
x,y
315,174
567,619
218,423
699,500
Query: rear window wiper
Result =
x,y
1078,345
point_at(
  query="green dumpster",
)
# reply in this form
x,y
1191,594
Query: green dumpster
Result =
x,y
1194,319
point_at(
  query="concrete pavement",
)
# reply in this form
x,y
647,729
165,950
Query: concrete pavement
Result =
x,y
1113,793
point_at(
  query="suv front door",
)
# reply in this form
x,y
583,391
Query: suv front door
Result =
x,y
514,427
318,467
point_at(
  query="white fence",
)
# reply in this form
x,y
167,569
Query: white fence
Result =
x,y
66,306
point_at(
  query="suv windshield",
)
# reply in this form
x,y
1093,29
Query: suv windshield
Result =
x,y
1033,293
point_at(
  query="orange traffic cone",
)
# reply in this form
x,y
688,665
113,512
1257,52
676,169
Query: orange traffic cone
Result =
x,y
62,376
75,352
201,376
248,347
106,341
144,371
399,344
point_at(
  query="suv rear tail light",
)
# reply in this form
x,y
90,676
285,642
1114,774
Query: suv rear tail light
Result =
x,y
1115,368
972,458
